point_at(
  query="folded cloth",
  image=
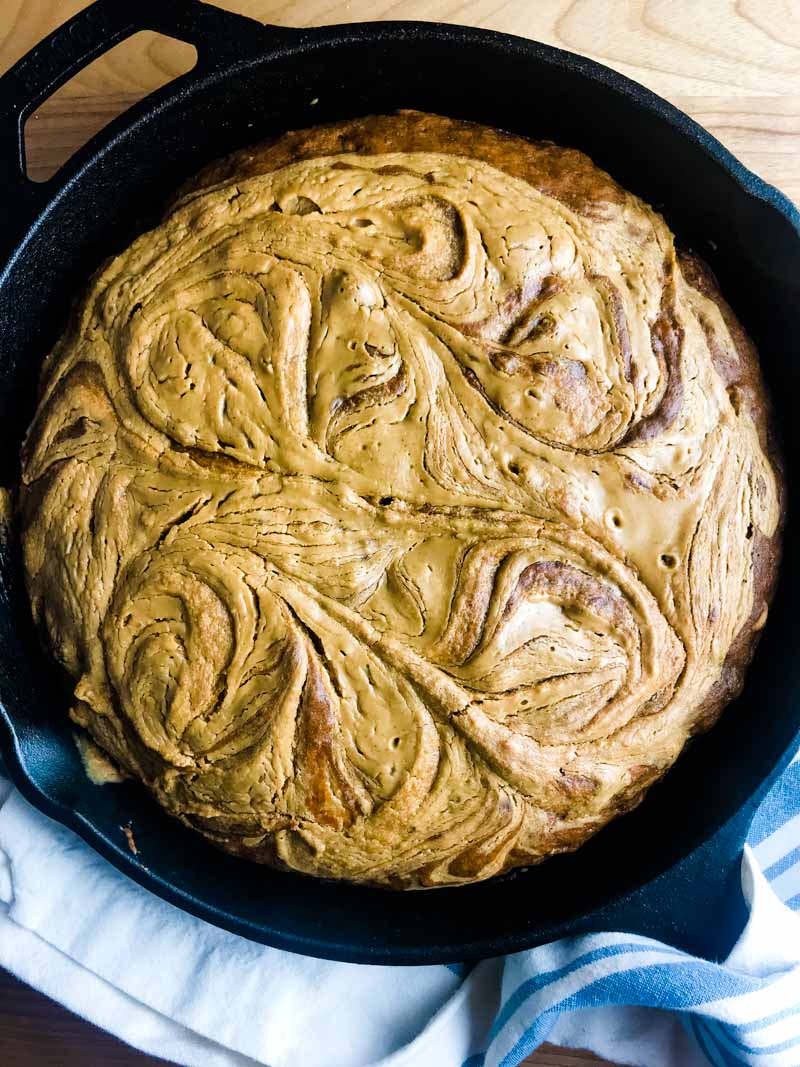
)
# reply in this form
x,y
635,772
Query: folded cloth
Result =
x,y
173,986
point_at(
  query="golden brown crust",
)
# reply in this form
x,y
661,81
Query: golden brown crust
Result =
x,y
744,380
6,512
401,517
564,173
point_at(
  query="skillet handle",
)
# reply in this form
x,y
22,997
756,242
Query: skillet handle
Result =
x,y
220,37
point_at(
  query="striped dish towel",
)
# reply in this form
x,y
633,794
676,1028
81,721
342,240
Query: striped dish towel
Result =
x,y
175,987
599,992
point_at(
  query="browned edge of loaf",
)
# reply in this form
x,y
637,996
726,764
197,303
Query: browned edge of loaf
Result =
x,y
745,384
564,173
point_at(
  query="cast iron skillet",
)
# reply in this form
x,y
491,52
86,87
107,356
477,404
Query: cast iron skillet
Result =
x,y
670,869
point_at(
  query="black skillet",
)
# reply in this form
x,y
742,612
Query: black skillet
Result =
x,y
670,869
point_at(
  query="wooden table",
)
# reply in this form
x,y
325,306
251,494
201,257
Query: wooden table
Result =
x,y
732,64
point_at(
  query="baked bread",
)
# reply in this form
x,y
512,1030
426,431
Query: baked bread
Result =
x,y
402,503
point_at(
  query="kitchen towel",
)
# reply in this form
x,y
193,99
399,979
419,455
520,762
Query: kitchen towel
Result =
x,y
173,986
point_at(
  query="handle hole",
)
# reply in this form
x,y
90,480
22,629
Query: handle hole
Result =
x,y
107,87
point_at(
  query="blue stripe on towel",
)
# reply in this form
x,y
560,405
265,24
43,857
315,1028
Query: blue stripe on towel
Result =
x,y
737,1019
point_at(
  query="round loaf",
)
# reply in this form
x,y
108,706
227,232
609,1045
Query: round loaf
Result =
x,y
402,503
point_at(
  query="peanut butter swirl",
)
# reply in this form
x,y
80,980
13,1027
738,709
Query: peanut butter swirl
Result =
x,y
402,503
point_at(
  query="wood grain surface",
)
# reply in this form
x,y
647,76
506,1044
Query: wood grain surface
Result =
x,y
734,65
